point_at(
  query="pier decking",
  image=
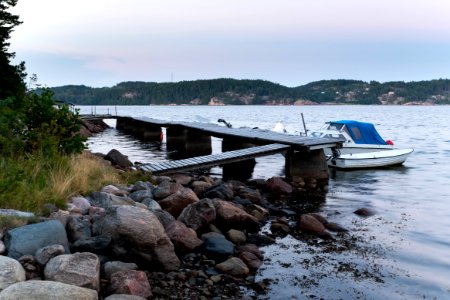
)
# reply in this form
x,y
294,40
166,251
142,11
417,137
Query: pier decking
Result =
x,y
213,159
304,156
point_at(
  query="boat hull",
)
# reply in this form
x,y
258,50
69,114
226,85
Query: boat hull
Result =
x,y
374,159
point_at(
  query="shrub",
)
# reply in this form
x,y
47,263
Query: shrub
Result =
x,y
35,124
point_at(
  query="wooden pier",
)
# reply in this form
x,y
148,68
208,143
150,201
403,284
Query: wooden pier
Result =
x,y
304,156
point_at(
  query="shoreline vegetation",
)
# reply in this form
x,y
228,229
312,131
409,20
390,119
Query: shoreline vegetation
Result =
x,y
225,91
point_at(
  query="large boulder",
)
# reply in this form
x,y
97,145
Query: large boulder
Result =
x,y
46,290
230,216
198,214
11,271
118,159
28,239
185,239
130,282
137,233
176,202
80,269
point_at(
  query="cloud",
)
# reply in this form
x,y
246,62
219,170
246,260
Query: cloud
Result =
x,y
287,41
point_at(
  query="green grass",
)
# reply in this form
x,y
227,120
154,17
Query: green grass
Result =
x,y
27,183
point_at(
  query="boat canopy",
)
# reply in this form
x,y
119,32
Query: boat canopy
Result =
x,y
361,132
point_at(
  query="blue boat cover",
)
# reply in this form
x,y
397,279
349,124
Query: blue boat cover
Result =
x,y
361,132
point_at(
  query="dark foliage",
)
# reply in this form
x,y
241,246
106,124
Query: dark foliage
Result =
x,y
232,91
11,77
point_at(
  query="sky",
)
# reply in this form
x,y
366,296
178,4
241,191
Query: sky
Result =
x,y
100,43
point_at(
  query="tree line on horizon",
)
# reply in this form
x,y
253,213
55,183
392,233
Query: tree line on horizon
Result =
x,y
257,92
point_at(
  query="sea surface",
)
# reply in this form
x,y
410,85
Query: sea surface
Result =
x,y
402,252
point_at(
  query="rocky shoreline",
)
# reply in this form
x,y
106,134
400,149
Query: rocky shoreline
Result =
x,y
185,236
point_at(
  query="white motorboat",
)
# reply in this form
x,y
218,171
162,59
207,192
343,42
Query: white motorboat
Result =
x,y
363,146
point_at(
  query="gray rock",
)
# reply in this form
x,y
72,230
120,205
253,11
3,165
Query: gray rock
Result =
x,y
78,228
80,269
96,244
221,191
46,290
198,214
11,271
16,213
151,204
141,185
105,200
165,189
164,217
137,233
28,239
140,195
112,267
44,254
81,203
218,248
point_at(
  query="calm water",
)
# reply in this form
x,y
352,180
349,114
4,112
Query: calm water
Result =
x,y
403,252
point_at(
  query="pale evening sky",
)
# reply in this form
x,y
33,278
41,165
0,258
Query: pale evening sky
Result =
x,y
291,42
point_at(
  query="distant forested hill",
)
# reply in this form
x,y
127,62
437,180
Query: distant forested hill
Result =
x,y
246,92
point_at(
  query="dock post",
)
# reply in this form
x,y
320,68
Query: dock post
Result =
x,y
121,123
242,170
186,143
307,164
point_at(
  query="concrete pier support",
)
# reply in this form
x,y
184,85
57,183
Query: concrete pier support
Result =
x,y
242,170
122,123
186,143
140,129
306,164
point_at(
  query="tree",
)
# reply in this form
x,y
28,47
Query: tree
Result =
x,y
11,77
30,122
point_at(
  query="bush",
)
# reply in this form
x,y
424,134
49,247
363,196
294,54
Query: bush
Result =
x,y
35,124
